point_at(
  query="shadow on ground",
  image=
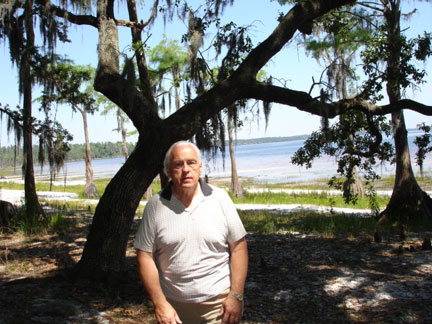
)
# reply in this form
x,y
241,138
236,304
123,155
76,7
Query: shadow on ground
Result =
x,y
293,278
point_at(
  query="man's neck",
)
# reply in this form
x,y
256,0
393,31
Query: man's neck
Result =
x,y
186,196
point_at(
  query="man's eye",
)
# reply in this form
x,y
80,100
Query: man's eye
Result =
x,y
192,163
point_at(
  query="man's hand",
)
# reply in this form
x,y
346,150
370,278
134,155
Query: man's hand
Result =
x,y
232,310
166,314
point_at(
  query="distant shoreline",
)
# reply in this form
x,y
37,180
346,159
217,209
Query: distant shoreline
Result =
x,y
237,142
261,140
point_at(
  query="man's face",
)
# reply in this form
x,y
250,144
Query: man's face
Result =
x,y
184,168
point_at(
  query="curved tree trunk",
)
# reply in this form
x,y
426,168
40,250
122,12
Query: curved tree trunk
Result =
x,y
90,190
408,200
105,250
236,187
104,253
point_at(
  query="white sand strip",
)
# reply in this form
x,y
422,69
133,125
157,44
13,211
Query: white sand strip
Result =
x,y
17,197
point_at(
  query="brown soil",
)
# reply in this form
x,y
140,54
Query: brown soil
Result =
x,y
293,278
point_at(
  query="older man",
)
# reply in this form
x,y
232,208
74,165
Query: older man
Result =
x,y
191,247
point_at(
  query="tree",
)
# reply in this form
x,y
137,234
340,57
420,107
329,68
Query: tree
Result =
x,y
65,84
112,217
236,187
53,138
335,40
397,52
17,20
121,120
423,145
387,47
168,57
104,253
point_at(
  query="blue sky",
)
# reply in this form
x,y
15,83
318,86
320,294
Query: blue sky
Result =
x,y
290,64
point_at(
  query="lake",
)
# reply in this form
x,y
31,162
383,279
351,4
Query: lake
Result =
x,y
269,162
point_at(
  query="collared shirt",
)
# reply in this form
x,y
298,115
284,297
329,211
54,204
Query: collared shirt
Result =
x,y
191,244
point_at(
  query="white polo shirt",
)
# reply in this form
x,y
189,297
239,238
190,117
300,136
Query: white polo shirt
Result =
x,y
191,244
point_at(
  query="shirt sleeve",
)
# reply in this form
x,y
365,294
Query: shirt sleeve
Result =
x,y
145,237
236,230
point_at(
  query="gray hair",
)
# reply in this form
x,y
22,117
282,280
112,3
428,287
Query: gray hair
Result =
x,y
167,158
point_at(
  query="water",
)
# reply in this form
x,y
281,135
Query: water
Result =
x,y
269,162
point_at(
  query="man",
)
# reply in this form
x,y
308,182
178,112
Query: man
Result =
x,y
191,247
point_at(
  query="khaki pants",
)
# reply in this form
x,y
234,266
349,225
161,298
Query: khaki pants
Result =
x,y
200,313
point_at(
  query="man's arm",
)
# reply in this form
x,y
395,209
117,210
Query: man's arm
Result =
x,y
148,272
233,308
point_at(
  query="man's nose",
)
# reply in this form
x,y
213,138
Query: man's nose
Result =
x,y
186,167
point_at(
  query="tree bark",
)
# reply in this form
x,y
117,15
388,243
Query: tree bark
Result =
x,y
33,207
123,133
145,83
408,200
354,187
236,186
105,250
90,190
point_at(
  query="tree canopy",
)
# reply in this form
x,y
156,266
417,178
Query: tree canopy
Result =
x,y
216,81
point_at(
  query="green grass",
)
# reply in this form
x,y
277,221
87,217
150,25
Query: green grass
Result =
x,y
325,224
37,224
320,199
78,189
318,184
264,222
307,222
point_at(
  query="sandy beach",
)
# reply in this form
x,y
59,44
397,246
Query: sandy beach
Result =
x,y
16,197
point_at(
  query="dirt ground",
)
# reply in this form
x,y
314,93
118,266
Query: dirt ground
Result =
x,y
293,278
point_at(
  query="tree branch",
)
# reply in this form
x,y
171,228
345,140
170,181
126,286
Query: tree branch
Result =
x,y
298,16
119,88
304,102
89,19
144,77
67,15
242,81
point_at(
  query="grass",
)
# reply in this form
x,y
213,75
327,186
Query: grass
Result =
x,y
324,224
307,222
318,184
45,186
319,199
78,189
329,224
35,224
